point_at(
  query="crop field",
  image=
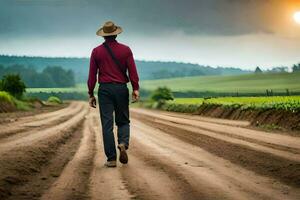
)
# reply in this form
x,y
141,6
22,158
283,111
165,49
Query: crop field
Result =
x,y
248,83
277,102
187,101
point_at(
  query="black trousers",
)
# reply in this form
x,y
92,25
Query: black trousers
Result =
x,y
114,98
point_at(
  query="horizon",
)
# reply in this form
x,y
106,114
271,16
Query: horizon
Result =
x,y
226,33
177,62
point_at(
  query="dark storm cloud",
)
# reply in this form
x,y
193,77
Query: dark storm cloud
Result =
x,y
79,17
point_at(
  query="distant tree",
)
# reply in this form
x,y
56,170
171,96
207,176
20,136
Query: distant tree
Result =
x,y
2,70
296,68
60,77
13,84
45,80
258,70
279,69
49,77
162,94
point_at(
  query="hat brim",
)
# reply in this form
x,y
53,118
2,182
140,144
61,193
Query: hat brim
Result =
x,y
100,32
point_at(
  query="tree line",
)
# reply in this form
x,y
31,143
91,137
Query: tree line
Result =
x,y
49,77
295,68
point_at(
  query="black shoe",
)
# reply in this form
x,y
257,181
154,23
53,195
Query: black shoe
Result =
x,y
123,155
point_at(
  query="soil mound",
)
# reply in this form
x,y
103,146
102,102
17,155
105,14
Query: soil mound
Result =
x,y
275,118
6,107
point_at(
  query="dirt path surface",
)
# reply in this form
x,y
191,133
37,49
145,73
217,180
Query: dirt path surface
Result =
x,y
59,155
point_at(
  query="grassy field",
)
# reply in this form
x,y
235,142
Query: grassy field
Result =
x,y
78,88
243,83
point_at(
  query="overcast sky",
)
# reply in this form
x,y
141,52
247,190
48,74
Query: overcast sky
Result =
x,y
241,33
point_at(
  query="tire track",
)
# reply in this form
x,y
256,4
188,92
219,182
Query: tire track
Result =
x,y
46,134
25,156
136,180
148,182
46,174
199,118
43,121
169,158
12,117
288,142
105,183
262,163
73,181
206,171
293,155
280,153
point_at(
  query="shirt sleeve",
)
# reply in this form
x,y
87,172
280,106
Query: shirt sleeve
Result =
x,y
92,79
133,74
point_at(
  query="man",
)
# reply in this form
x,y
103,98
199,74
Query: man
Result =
x,y
111,61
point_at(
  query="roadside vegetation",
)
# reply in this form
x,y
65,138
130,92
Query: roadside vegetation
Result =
x,y
288,103
13,97
277,112
54,100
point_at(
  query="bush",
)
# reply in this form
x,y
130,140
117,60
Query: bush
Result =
x,y
6,97
162,94
6,102
13,84
22,105
54,99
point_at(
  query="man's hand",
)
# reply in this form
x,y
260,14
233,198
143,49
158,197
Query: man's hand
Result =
x,y
135,95
92,102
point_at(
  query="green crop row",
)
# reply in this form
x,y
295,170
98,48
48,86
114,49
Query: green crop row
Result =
x,y
289,103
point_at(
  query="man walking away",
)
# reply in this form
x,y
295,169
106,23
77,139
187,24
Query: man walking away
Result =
x,y
111,60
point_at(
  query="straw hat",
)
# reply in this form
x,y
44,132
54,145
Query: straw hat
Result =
x,y
109,28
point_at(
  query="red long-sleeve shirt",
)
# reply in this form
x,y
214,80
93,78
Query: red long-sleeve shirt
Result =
x,y
102,64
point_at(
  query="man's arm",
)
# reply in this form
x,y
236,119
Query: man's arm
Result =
x,y
92,79
133,76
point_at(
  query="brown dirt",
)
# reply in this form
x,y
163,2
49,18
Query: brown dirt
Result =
x,y
263,163
46,174
6,107
14,115
59,155
278,119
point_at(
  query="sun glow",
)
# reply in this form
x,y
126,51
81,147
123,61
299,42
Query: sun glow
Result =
x,y
297,17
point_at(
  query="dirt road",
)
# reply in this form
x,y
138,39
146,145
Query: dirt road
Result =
x,y
59,155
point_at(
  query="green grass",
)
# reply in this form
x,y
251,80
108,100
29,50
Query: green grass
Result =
x,y
247,83
6,97
54,100
20,105
187,101
81,87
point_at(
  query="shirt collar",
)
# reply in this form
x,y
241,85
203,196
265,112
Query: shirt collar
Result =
x,y
111,40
